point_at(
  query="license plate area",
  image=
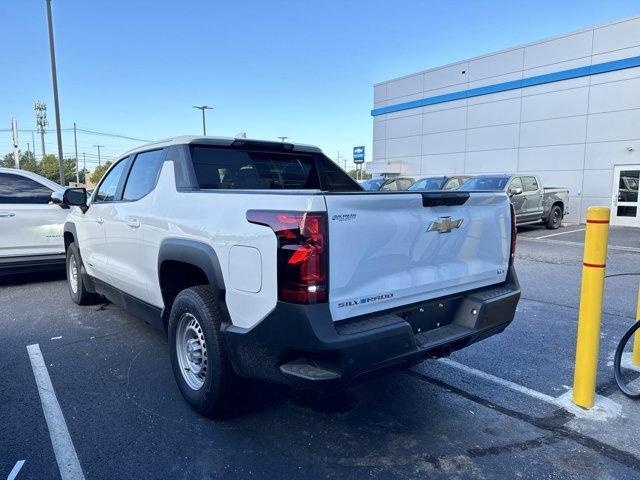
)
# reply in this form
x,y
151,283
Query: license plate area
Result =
x,y
434,314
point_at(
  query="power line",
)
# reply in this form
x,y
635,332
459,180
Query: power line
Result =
x,y
83,130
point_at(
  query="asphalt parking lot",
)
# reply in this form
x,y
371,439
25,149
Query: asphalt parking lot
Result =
x,y
490,411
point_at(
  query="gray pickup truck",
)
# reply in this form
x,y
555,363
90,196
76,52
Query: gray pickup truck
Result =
x,y
532,202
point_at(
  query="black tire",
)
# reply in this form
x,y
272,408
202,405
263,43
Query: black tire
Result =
x,y
555,218
218,379
80,296
617,363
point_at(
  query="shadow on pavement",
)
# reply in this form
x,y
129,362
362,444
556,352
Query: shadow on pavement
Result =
x,y
33,277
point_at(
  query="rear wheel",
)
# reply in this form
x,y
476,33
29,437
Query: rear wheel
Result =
x,y
555,218
199,359
77,289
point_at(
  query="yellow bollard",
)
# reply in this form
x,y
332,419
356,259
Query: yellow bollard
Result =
x,y
591,293
635,357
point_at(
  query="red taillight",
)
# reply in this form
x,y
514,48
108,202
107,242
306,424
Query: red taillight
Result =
x,y
514,231
302,253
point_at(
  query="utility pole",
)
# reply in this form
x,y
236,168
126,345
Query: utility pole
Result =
x,y
338,161
33,144
98,147
204,123
84,168
41,121
283,138
75,142
16,149
56,103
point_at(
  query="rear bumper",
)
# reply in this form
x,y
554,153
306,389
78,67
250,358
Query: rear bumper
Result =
x,y
301,343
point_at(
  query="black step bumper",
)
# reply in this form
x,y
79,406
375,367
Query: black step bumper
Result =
x,y
301,343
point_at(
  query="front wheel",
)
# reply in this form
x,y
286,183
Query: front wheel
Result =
x,y
77,289
199,359
555,218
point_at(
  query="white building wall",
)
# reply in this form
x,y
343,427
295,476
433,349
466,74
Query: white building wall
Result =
x,y
569,132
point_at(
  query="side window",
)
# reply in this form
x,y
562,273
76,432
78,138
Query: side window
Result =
x,y
516,183
405,183
109,185
143,175
392,185
530,184
452,184
19,189
337,179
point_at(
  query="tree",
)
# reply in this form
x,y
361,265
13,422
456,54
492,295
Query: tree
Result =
x,y
99,172
50,168
365,175
27,161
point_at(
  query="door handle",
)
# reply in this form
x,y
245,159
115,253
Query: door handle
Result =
x,y
7,214
100,220
133,223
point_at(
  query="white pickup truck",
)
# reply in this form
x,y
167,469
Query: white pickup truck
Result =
x,y
266,260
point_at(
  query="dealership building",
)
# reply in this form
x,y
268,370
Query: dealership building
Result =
x,y
566,109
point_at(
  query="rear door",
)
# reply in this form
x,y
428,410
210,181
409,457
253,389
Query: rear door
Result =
x,y
518,199
29,223
392,249
534,199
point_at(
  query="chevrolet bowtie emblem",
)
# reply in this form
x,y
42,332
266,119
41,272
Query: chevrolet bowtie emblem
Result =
x,y
444,225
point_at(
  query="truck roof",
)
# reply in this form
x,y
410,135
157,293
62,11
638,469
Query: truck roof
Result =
x,y
221,141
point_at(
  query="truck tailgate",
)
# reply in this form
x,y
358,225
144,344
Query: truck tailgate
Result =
x,y
392,249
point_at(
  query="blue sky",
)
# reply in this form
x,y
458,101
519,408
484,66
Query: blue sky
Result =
x,y
302,69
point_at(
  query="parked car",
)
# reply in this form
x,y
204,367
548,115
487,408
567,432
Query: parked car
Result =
x,y
31,222
372,183
266,260
439,183
533,203
396,183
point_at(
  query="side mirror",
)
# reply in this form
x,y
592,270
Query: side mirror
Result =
x,y
514,191
76,197
56,197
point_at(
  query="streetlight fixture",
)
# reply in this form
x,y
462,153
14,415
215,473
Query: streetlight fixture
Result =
x,y
204,123
283,138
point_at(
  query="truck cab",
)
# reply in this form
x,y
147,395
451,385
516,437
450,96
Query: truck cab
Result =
x,y
532,202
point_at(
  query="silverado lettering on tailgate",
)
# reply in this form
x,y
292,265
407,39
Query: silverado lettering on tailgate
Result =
x,y
363,300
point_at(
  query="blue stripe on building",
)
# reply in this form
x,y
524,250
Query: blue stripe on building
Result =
x,y
513,85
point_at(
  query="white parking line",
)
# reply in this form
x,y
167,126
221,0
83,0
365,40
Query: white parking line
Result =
x,y
15,470
604,408
579,244
63,448
560,233
500,381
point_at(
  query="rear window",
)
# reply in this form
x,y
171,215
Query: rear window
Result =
x,y
485,183
427,184
225,168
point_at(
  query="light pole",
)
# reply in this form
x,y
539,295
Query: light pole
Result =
x,y
54,78
283,138
98,147
204,123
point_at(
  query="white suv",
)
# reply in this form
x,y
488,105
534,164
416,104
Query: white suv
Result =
x,y
266,260
31,222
